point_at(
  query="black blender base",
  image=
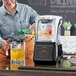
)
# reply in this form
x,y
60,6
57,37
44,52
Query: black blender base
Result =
x,y
45,63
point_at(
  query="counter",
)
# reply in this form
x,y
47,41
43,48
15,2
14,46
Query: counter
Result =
x,y
8,69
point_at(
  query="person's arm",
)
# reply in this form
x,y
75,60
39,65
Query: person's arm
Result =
x,y
4,44
1,40
33,15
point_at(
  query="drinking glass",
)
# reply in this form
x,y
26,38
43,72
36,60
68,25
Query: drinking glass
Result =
x,y
17,50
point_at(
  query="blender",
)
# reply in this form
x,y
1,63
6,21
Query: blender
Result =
x,y
48,48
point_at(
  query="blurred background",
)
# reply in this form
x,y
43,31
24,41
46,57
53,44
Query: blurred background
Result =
x,y
64,8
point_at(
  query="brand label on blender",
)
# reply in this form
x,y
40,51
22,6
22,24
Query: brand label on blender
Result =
x,y
43,51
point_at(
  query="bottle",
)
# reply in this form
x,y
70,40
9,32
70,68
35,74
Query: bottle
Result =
x,y
25,31
32,34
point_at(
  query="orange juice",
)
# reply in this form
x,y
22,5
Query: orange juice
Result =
x,y
32,35
17,54
15,66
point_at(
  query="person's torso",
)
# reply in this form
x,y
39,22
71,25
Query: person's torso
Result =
x,y
11,24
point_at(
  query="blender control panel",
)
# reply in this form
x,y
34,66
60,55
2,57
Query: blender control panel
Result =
x,y
43,52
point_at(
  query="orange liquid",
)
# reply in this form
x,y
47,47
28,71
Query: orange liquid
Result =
x,y
15,66
32,35
17,54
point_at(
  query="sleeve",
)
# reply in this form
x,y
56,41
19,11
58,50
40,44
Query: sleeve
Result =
x,y
1,39
33,15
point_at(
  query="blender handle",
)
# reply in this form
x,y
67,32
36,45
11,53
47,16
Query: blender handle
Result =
x,y
60,23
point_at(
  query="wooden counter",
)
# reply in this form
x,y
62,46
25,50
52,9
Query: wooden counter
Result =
x,y
8,69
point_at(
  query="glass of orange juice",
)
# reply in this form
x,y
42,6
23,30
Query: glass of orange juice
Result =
x,y
17,50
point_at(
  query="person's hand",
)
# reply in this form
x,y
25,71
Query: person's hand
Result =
x,y
5,45
31,27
